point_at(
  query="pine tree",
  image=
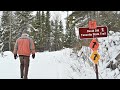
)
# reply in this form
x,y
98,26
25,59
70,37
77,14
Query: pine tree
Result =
x,y
13,30
42,23
52,35
110,19
66,42
56,36
1,42
70,33
37,25
5,30
23,19
37,20
43,39
61,35
48,30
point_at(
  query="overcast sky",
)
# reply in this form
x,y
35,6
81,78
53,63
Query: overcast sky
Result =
x,y
62,15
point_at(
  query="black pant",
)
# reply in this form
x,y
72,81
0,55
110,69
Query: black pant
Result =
x,y
24,66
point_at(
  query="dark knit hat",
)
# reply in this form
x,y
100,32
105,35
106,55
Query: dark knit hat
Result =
x,y
25,31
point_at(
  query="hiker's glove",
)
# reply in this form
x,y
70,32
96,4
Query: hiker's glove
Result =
x,y
33,56
15,56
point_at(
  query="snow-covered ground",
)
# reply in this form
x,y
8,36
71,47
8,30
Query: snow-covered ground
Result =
x,y
46,65
65,64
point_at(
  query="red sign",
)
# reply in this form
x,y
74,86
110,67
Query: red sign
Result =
x,y
92,24
94,45
100,31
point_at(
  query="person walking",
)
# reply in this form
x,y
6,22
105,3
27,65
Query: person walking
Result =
x,y
23,48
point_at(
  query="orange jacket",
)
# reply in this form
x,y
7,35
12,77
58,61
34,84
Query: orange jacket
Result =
x,y
24,46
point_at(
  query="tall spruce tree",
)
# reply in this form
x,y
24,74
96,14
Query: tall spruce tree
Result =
x,y
23,19
1,41
61,35
56,36
37,25
5,30
43,39
70,33
52,35
48,30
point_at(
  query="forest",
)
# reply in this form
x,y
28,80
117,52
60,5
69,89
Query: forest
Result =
x,y
49,35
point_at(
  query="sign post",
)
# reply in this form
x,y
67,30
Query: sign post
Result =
x,y
96,68
93,31
95,57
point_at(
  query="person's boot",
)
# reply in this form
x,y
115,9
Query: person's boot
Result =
x,y
26,67
26,71
21,70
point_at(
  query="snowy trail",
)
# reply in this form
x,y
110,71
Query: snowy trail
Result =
x,y
44,66
61,64
9,68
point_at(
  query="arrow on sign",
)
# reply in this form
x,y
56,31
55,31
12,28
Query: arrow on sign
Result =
x,y
95,56
94,44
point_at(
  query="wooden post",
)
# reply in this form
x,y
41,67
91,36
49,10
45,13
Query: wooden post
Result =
x,y
96,68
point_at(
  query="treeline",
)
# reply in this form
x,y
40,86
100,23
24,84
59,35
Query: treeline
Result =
x,y
49,34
